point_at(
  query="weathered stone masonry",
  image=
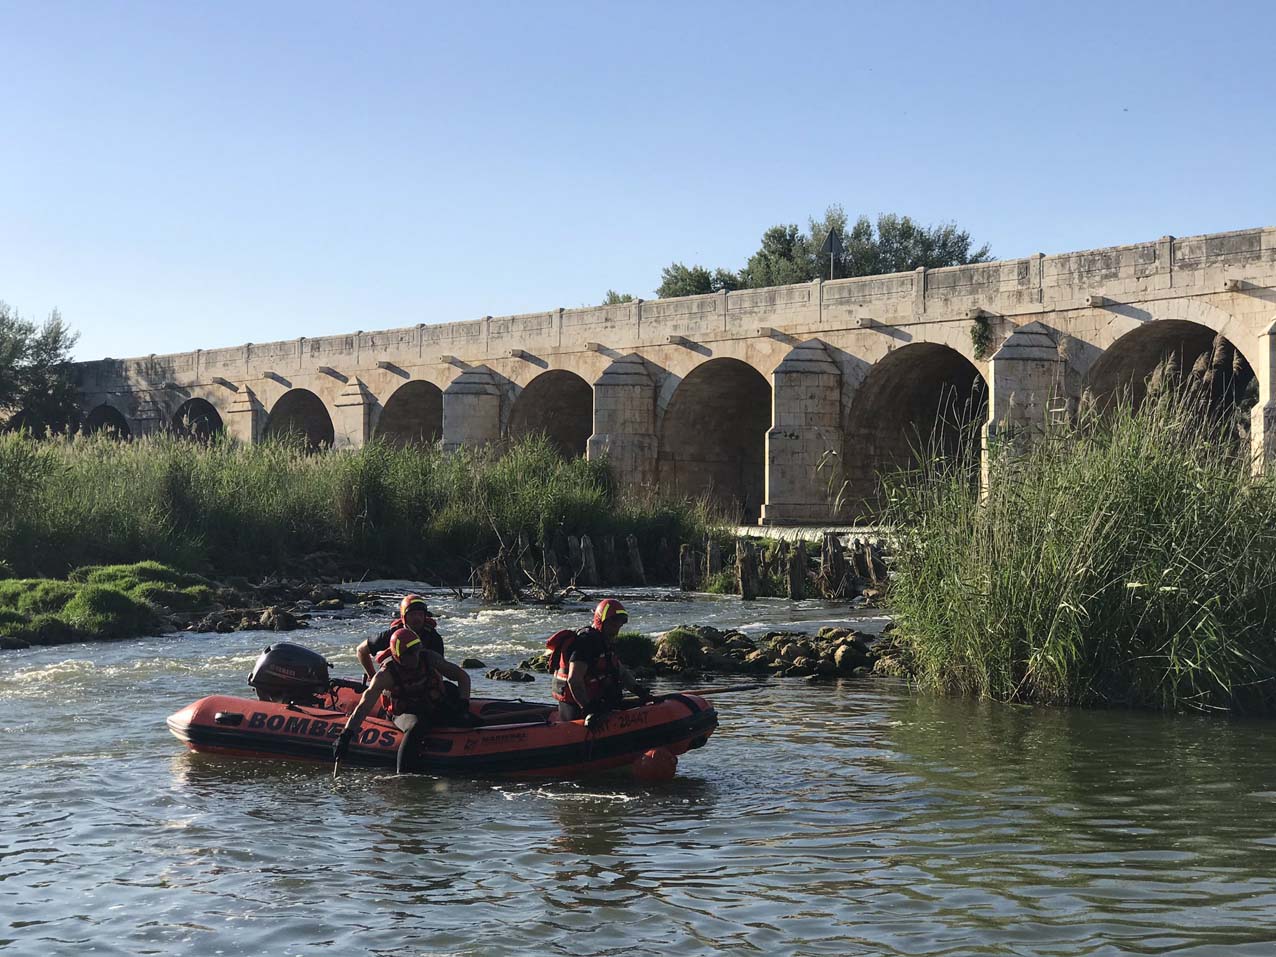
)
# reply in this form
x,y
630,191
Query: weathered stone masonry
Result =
x,y
743,395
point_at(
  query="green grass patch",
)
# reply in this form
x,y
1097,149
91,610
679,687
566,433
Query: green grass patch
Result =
x,y
100,611
104,602
634,649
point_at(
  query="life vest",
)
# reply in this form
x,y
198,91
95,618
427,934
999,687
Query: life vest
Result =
x,y
416,691
429,634
603,681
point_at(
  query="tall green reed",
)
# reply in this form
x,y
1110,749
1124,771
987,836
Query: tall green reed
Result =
x,y
232,509
1126,559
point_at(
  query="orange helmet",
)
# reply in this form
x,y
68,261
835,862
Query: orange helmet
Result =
x,y
609,609
403,639
412,601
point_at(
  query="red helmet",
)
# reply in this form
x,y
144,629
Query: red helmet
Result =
x,y
403,639
609,609
412,601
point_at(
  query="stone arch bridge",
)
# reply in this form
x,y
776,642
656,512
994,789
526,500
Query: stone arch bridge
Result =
x,y
742,395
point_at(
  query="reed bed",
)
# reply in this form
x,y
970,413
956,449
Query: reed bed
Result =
x,y
229,509
1128,559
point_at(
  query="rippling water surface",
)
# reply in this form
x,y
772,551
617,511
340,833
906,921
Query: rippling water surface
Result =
x,y
847,819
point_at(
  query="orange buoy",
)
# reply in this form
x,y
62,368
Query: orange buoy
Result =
x,y
656,766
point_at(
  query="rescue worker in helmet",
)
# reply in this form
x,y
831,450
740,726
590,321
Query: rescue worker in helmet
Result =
x,y
589,679
413,614
411,678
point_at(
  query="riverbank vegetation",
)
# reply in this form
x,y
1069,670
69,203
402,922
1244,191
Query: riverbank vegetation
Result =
x,y
224,509
1128,559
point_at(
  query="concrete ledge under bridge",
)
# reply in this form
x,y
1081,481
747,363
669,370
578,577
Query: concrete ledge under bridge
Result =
x,y
763,399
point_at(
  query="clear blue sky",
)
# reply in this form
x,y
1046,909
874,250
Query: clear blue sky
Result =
x,y
182,175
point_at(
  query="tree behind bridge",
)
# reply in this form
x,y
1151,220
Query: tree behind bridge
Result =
x,y
790,255
37,389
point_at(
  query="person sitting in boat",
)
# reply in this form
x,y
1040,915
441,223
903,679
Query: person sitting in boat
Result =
x,y
589,679
413,614
411,678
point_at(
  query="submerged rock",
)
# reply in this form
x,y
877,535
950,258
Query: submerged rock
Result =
x,y
474,663
538,662
276,619
506,674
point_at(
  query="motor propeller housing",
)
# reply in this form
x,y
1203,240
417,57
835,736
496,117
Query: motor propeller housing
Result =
x,y
289,673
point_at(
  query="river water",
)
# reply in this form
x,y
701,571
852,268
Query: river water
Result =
x,y
854,818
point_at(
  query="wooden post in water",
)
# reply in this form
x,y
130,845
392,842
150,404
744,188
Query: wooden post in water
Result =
x,y
713,558
574,558
549,563
635,560
795,578
494,580
832,567
687,562
746,569
608,569
589,567
861,566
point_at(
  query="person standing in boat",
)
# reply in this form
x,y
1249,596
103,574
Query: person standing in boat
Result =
x,y
413,614
411,678
589,679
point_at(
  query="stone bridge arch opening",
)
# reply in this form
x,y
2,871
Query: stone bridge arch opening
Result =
x,y
301,414
922,400
559,404
713,437
197,419
108,420
1176,354
413,415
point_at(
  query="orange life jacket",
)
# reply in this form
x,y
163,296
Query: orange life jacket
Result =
x,y
413,692
603,681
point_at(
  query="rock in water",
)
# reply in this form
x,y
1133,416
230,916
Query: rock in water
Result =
x,y
506,674
276,619
472,663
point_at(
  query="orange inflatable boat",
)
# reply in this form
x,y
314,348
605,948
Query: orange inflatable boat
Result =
x,y
300,712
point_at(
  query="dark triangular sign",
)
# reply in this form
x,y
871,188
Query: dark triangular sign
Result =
x,y
832,244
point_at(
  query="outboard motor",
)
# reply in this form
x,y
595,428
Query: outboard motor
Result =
x,y
289,673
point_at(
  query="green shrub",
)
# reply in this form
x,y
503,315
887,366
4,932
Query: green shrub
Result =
x,y
635,649
724,582
103,612
11,622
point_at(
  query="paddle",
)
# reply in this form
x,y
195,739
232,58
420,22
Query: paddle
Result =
x,y
701,692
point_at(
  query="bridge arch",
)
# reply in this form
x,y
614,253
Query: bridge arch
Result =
x,y
713,436
197,419
300,412
922,398
1183,349
108,419
413,415
559,404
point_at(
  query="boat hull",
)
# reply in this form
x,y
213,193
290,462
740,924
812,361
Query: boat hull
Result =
x,y
518,739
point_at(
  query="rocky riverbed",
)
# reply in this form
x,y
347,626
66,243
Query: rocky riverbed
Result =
x,y
691,652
